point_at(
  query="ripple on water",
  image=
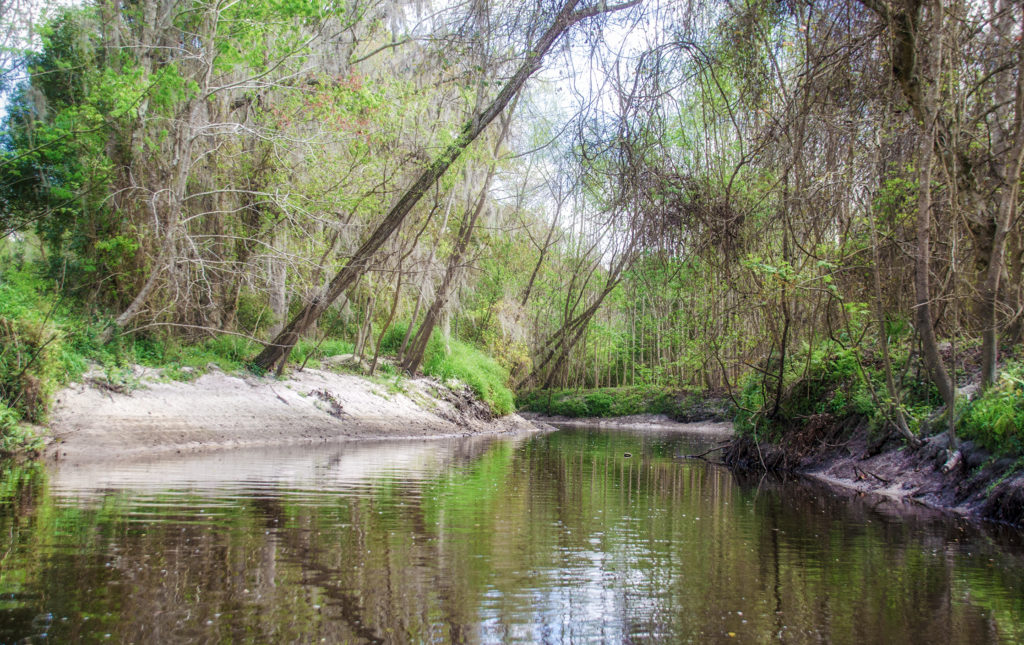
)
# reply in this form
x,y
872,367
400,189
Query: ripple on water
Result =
x,y
551,538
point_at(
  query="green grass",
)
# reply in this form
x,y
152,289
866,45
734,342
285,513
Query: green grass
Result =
x,y
621,401
465,363
473,367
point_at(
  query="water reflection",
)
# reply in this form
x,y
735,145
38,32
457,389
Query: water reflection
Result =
x,y
555,537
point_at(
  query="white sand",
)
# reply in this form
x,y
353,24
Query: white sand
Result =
x,y
216,411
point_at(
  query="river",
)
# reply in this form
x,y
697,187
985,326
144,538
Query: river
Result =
x,y
575,536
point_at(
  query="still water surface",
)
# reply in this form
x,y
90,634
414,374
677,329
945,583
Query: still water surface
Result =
x,y
548,538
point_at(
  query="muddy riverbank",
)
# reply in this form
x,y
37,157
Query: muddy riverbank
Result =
x,y
982,487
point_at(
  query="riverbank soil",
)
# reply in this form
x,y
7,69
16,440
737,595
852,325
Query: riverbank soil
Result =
x,y
981,487
92,421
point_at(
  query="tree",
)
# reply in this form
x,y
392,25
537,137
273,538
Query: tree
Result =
x,y
276,353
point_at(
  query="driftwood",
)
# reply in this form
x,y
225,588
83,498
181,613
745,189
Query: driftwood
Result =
x,y
708,451
864,472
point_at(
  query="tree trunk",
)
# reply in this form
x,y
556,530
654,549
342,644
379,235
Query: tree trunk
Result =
x,y
922,270
1008,150
895,405
414,357
278,350
278,287
412,361
171,221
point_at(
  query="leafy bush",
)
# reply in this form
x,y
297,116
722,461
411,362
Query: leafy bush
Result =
x,y
751,404
996,419
31,351
825,379
599,403
252,313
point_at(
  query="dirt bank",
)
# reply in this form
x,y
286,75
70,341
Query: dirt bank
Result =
x,y
92,422
982,487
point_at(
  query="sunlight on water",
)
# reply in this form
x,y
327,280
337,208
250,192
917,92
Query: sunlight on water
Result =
x,y
555,538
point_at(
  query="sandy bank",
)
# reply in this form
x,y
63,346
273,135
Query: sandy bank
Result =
x,y
217,411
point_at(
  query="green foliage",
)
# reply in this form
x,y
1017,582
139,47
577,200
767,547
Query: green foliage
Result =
x,y
896,198
827,379
474,368
834,380
995,420
315,350
392,340
30,349
15,436
599,403
253,314
622,401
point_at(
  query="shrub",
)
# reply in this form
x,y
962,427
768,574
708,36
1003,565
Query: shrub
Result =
x,y
314,351
252,313
599,404
996,419
620,402
15,436
30,350
824,379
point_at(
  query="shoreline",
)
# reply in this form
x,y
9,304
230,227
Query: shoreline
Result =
x,y
91,423
217,411
980,489
635,422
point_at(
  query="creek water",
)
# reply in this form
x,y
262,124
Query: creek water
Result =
x,y
580,535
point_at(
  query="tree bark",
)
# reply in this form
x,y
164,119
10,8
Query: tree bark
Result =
x,y
1008,150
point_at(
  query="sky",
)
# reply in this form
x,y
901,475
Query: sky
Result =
x,y
19,20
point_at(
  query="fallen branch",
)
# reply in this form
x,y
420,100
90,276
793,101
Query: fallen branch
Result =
x,y
953,462
709,450
282,399
868,472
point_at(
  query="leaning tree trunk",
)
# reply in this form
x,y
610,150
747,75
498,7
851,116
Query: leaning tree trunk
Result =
x,y
414,358
281,346
412,361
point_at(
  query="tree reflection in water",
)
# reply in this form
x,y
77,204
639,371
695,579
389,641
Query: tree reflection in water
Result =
x,y
549,538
